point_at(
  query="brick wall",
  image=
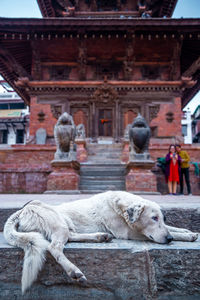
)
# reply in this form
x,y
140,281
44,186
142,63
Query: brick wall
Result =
x,y
25,168
165,128
49,121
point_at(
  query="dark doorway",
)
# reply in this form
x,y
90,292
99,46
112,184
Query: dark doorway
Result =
x,y
105,122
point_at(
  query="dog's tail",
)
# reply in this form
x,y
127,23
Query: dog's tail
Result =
x,y
34,246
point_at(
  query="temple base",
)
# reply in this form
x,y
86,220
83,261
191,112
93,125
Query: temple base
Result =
x,y
64,176
140,177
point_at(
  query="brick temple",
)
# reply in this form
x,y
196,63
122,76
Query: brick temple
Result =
x,y
103,62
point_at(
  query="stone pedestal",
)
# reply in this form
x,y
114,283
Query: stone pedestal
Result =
x,y
125,151
140,178
82,154
64,176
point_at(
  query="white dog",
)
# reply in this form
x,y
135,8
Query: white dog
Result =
x,y
38,227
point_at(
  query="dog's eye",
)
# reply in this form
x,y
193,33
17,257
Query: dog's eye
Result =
x,y
155,218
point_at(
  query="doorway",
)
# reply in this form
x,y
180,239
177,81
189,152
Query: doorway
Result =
x,y
105,121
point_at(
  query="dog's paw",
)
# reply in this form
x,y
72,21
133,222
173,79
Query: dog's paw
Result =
x,y
104,237
194,237
78,276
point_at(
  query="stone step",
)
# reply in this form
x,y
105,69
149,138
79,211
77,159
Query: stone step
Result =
x,y
101,181
103,187
101,168
102,177
120,270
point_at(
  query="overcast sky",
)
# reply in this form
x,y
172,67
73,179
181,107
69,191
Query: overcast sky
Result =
x,y
29,8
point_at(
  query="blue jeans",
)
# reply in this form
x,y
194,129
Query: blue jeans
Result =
x,y
186,173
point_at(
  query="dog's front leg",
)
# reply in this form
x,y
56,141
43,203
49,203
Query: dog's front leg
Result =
x,y
182,234
56,249
179,230
98,237
185,237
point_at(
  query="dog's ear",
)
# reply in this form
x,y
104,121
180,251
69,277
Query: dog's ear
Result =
x,y
132,214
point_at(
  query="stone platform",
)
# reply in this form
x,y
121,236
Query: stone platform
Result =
x,y
121,270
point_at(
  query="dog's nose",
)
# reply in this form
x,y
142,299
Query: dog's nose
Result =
x,y
169,238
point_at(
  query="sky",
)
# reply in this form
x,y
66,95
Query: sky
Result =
x,y
30,9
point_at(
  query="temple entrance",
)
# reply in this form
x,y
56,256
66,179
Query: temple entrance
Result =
x,y
105,121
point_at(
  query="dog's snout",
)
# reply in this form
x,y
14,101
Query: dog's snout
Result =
x,y
169,238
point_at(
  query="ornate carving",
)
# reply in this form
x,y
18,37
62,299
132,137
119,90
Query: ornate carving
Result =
x,y
82,60
175,62
128,61
105,93
56,110
128,69
36,61
80,131
153,112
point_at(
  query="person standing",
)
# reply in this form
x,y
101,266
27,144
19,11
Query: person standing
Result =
x,y
173,162
185,171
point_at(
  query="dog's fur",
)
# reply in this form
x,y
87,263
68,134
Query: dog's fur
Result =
x,y
39,227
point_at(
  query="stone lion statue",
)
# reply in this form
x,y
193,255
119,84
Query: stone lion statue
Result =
x,y
64,133
139,136
80,131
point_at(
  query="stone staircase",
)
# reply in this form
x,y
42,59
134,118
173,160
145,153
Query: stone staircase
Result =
x,y
103,170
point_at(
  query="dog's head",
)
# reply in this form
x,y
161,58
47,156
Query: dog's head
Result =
x,y
146,217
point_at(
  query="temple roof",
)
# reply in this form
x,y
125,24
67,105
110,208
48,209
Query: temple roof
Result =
x,y
16,36
61,8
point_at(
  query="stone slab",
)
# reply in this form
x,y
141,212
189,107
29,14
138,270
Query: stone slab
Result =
x,y
122,270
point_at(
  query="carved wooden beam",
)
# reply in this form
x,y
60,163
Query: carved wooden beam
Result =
x,y
36,61
175,62
193,68
12,65
82,59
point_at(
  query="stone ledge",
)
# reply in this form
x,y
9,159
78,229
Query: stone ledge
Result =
x,y
122,270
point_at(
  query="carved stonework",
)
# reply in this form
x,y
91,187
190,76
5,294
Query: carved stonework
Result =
x,y
64,134
105,93
56,110
153,112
